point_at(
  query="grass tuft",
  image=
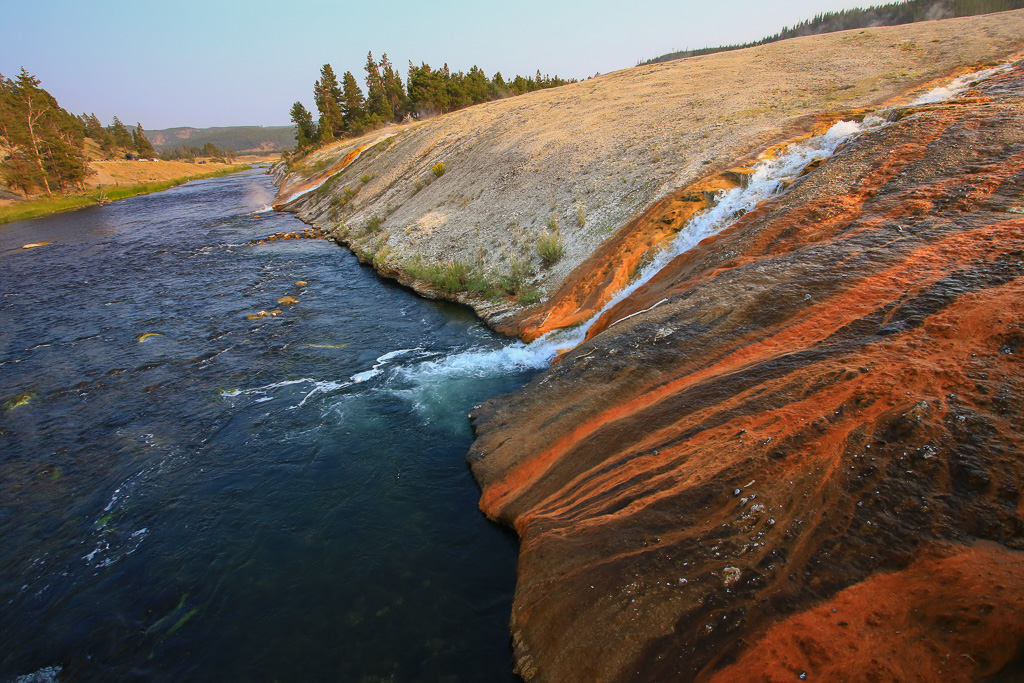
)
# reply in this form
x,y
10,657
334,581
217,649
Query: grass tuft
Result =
x,y
550,247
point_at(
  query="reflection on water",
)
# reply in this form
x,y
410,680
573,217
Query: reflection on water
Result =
x,y
186,494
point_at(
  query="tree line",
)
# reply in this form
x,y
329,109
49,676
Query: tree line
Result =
x,y
344,110
190,152
892,14
42,145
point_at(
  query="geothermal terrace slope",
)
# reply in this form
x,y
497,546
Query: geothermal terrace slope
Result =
x,y
808,458
798,448
607,148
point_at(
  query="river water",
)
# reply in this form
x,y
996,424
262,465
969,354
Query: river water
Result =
x,y
187,494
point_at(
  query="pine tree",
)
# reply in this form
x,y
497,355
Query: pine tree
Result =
x,y
394,91
46,141
328,97
353,105
142,143
305,129
93,127
475,85
107,143
427,89
377,106
122,138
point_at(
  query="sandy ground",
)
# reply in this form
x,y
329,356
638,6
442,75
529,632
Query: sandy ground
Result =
x,y
592,155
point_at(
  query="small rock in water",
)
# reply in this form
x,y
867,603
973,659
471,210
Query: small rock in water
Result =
x,y
264,314
288,300
36,245
301,283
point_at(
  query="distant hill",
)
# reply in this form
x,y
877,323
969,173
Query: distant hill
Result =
x,y
236,138
893,14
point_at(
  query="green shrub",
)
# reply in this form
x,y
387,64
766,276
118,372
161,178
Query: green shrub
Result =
x,y
453,276
550,248
529,296
373,225
512,281
439,169
365,178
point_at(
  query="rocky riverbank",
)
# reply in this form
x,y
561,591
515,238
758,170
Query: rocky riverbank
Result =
x,y
795,452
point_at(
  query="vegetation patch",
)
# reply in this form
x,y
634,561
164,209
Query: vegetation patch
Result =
x,y
439,169
373,225
454,277
513,281
549,245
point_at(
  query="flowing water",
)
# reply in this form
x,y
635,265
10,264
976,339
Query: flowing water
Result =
x,y
187,494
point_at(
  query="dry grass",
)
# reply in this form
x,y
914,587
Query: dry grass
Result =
x,y
131,172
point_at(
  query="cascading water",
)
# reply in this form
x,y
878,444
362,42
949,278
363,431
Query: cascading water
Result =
x,y
768,179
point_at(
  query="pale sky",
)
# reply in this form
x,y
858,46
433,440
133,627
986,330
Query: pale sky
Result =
x,y
221,63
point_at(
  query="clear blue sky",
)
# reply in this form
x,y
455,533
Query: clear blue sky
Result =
x,y
243,62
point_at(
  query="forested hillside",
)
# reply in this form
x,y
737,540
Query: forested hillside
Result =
x,y
892,14
240,139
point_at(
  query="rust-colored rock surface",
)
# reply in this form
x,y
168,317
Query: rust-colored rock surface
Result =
x,y
809,459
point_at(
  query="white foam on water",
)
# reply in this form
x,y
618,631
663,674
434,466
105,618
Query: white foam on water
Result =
x,y
958,85
769,177
49,674
360,377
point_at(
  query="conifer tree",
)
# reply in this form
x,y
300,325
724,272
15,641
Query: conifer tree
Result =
x,y
377,106
475,85
93,127
45,140
122,138
328,97
353,104
305,129
142,143
107,143
394,91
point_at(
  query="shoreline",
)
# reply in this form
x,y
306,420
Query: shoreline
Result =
x,y
45,206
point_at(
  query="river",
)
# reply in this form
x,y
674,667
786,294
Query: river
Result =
x,y
188,494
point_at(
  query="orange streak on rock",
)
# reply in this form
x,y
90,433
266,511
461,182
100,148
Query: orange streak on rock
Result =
x,y
883,629
289,192
930,264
